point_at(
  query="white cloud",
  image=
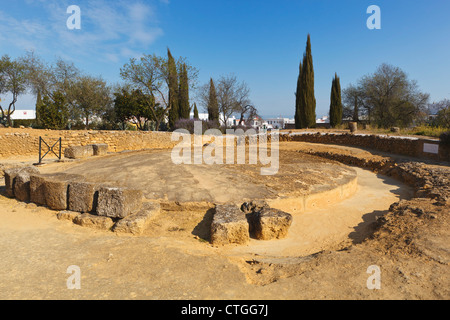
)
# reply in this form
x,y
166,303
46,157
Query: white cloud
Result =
x,y
107,28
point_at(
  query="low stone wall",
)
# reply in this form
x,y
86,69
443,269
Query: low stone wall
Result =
x,y
408,146
25,142
87,204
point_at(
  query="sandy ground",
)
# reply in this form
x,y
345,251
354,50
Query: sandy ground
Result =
x,y
324,257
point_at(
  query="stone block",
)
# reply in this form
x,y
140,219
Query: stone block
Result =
x,y
136,223
229,226
100,149
10,176
269,224
82,196
67,215
10,180
37,189
93,221
56,188
252,206
118,202
22,185
79,152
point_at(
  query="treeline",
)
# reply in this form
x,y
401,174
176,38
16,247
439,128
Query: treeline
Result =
x,y
155,94
387,98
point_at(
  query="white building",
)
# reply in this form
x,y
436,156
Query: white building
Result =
x,y
24,115
201,116
324,119
278,123
232,121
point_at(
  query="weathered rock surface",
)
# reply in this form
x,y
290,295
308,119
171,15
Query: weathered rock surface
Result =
x,y
83,196
67,215
93,221
253,206
270,224
118,202
79,152
10,175
136,223
56,189
100,149
23,187
37,189
229,226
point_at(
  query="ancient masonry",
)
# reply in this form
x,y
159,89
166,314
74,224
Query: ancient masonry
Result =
x,y
124,210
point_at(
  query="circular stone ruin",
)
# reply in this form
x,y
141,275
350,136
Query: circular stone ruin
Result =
x,y
142,191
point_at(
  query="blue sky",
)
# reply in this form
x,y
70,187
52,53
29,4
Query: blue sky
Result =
x,y
261,42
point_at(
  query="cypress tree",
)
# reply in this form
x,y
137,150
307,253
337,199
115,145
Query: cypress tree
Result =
x,y
184,106
336,108
298,118
213,105
305,99
173,91
195,111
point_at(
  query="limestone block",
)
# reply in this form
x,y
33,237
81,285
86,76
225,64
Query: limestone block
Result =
x,y
118,202
37,189
100,149
51,189
79,152
93,221
269,224
229,225
136,223
82,196
22,183
10,175
252,206
67,215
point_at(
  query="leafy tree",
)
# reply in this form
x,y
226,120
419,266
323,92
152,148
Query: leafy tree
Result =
x,y
353,102
135,107
13,81
440,113
390,98
53,112
151,75
335,103
89,97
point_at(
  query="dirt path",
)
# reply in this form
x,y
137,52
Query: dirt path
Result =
x,y
169,262
324,256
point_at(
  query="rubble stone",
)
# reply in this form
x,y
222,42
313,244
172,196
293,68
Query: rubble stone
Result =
x,y
93,221
82,196
269,224
79,152
229,226
136,223
118,202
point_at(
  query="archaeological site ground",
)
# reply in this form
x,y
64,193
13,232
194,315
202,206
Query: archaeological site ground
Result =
x,y
139,226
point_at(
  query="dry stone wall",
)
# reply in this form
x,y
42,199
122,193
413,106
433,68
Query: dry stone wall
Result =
x,y
408,146
25,142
